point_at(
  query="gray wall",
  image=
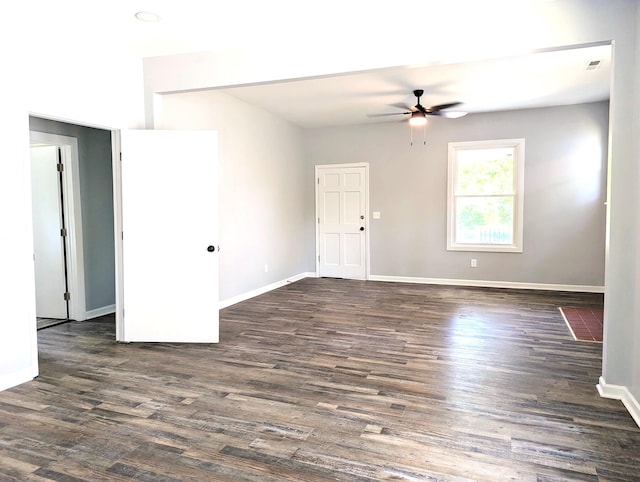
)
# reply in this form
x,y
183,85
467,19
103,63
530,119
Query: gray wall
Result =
x,y
565,193
96,194
264,184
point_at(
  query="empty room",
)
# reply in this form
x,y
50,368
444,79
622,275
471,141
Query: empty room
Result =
x,y
336,246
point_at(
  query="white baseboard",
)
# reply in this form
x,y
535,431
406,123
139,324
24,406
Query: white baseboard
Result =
x,y
264,289
16,378
105,310
488,284
410,279
622,393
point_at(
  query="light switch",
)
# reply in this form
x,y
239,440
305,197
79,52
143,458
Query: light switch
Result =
x,y
376,214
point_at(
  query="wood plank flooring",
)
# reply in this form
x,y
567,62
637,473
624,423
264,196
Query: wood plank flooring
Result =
x,y
324,380
47,322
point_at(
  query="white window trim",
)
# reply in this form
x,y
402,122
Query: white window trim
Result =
x,y
518,228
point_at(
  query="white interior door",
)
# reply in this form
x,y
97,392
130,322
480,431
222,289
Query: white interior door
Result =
x,y
342,221
170,236
48,244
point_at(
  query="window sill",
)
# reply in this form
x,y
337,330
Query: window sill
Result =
x,y
486,248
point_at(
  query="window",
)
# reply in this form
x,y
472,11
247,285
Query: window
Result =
x,y
485,196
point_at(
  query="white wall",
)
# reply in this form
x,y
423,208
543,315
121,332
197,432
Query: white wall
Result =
x,y
621,321
565,194
263,184
70,83
18,353
634,345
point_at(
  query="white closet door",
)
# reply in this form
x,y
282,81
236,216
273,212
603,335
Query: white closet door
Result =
x,y
48,244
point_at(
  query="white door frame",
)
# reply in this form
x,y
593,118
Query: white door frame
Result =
x,y
366,210
117,231
73,216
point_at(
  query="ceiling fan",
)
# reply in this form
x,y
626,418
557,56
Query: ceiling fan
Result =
x,y
419,112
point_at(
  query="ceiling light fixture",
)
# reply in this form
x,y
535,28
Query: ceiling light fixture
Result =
x,y
417,119
147,16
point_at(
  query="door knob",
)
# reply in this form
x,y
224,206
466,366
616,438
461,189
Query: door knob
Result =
x,y
361,228
211,249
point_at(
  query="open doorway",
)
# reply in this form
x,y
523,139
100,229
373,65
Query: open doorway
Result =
x,y
87,189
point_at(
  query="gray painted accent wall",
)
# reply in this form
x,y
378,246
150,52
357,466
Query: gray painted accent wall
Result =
x,y
263,186
96,194
565,193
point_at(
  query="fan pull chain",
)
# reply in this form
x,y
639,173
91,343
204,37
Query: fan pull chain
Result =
x,y
424,135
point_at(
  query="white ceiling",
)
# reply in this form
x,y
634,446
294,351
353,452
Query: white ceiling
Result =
x,y
534,80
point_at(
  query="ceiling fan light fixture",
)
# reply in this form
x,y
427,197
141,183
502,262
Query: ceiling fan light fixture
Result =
x,y
417,119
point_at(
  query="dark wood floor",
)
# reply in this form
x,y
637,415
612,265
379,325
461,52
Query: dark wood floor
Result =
x,y
328,380
43,323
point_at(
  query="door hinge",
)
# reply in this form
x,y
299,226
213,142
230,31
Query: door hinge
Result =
x,y
67,296
63,232
318,181
318,220
60,167
121,156
318,258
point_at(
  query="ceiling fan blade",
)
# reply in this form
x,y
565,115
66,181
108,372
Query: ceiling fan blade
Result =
x,y
435,108
384,115
402,106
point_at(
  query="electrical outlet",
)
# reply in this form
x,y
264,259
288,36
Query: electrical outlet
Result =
x,y
474,263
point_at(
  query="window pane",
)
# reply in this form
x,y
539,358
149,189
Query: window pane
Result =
x,y
484,220
485,171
